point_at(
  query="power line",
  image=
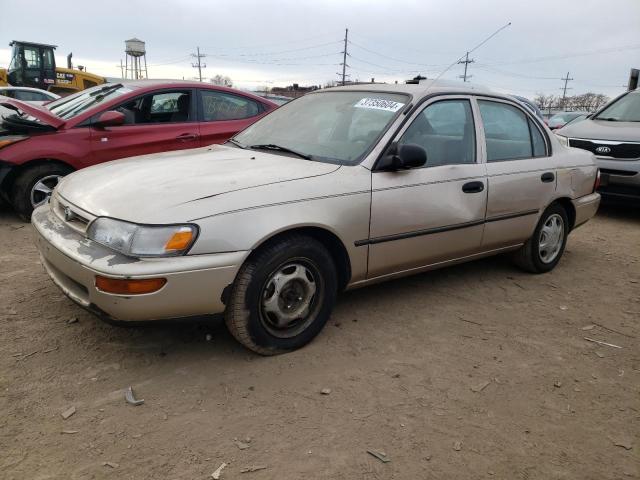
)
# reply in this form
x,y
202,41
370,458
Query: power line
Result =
x,y
470,51
568,55
393,58
199,65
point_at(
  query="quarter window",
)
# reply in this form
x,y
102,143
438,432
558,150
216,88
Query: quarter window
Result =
x,y
446,131
218,106
509,133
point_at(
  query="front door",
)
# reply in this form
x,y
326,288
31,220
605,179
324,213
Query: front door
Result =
x,y
429,215
156,122
521,173
225,114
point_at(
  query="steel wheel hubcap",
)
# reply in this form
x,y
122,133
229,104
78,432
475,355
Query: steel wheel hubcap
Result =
x,y
41,191
287,298
551,238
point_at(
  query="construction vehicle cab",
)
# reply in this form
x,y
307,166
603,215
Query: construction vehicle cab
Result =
x,y
34,65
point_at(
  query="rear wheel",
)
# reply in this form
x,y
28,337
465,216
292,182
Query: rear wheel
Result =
x,y
282,296
33,187
542,252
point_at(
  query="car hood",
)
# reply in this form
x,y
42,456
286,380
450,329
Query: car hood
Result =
x,y
602,130
147,189
39,112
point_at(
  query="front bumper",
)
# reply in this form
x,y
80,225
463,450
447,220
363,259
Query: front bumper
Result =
x,y
585,207
195,283
619,178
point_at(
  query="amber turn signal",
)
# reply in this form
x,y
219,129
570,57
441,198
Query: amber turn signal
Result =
x,y
123,286
179,240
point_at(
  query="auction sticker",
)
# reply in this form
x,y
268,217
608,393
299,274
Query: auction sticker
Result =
x,y
379,104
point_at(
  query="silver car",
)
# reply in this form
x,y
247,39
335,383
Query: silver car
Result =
x,y
335,190
613,135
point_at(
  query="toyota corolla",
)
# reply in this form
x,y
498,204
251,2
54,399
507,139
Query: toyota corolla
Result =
x,y
335,190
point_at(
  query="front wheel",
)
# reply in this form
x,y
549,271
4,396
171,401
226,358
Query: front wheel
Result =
x,y
33,187
542,252
282,296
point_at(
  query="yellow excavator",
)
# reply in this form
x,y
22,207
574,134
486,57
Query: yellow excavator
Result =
x,y
34,65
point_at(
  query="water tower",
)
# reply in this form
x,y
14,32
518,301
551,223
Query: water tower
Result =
x,y
136,56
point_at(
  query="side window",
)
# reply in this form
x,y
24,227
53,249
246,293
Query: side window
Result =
x,y
446,131
509,133
217,106
31,57
164,107
28,96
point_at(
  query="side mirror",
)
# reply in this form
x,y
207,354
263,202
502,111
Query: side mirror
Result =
x,y
109,119
403,157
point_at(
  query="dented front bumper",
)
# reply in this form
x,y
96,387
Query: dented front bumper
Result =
x,y
194,286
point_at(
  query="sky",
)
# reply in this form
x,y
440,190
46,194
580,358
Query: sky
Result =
x,y
271,43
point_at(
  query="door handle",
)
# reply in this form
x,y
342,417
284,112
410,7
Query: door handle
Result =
x,y
473,187
186,136
548,177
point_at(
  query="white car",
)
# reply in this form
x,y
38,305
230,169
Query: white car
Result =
x,y
26,94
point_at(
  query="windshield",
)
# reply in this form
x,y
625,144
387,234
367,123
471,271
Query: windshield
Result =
x,y
565,117
336,127
69,107
625,109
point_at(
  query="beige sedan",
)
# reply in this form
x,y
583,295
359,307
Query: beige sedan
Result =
x,y
335,190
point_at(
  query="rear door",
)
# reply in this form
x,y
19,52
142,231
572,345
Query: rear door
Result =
x,y
520,169
424,216
160,121
224,114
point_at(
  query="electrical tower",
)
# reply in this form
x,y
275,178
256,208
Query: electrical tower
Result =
x,y
199,65
564,89
344,73
466,62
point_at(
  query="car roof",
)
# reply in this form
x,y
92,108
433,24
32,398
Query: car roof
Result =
x,y
419,90
144,85
25,89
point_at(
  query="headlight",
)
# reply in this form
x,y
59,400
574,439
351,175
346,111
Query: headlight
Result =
x,y
142,240
562,139
9,139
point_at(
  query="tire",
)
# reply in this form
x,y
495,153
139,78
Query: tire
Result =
x,y
21,191
291,272
534,258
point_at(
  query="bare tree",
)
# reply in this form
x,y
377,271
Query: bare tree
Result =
x,y
222,80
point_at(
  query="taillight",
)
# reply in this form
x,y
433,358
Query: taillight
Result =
x,y
596,184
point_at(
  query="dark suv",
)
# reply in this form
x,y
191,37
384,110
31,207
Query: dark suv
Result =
x,y
613,135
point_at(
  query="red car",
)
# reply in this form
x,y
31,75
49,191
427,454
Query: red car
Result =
x,y
41,144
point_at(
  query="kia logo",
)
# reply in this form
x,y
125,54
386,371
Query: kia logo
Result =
x,y
603,150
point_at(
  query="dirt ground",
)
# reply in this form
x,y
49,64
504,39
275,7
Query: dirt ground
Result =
x,y
475,371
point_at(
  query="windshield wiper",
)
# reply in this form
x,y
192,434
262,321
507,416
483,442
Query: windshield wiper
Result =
x,y
607,119
104,90
280,148
236,143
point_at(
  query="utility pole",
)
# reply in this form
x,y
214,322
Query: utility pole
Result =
x,y
564,89
466,62
121,69
199,65
344,57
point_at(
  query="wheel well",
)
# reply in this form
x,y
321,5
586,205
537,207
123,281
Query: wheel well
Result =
x,y
331,242
569,208
7,182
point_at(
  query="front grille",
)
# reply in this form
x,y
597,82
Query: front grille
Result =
x,y
69,215
620,190
625,150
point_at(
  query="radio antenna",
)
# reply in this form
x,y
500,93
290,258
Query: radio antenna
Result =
x,y
458,60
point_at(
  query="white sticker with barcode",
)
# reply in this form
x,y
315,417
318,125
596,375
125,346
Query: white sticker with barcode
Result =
x,y
379,104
